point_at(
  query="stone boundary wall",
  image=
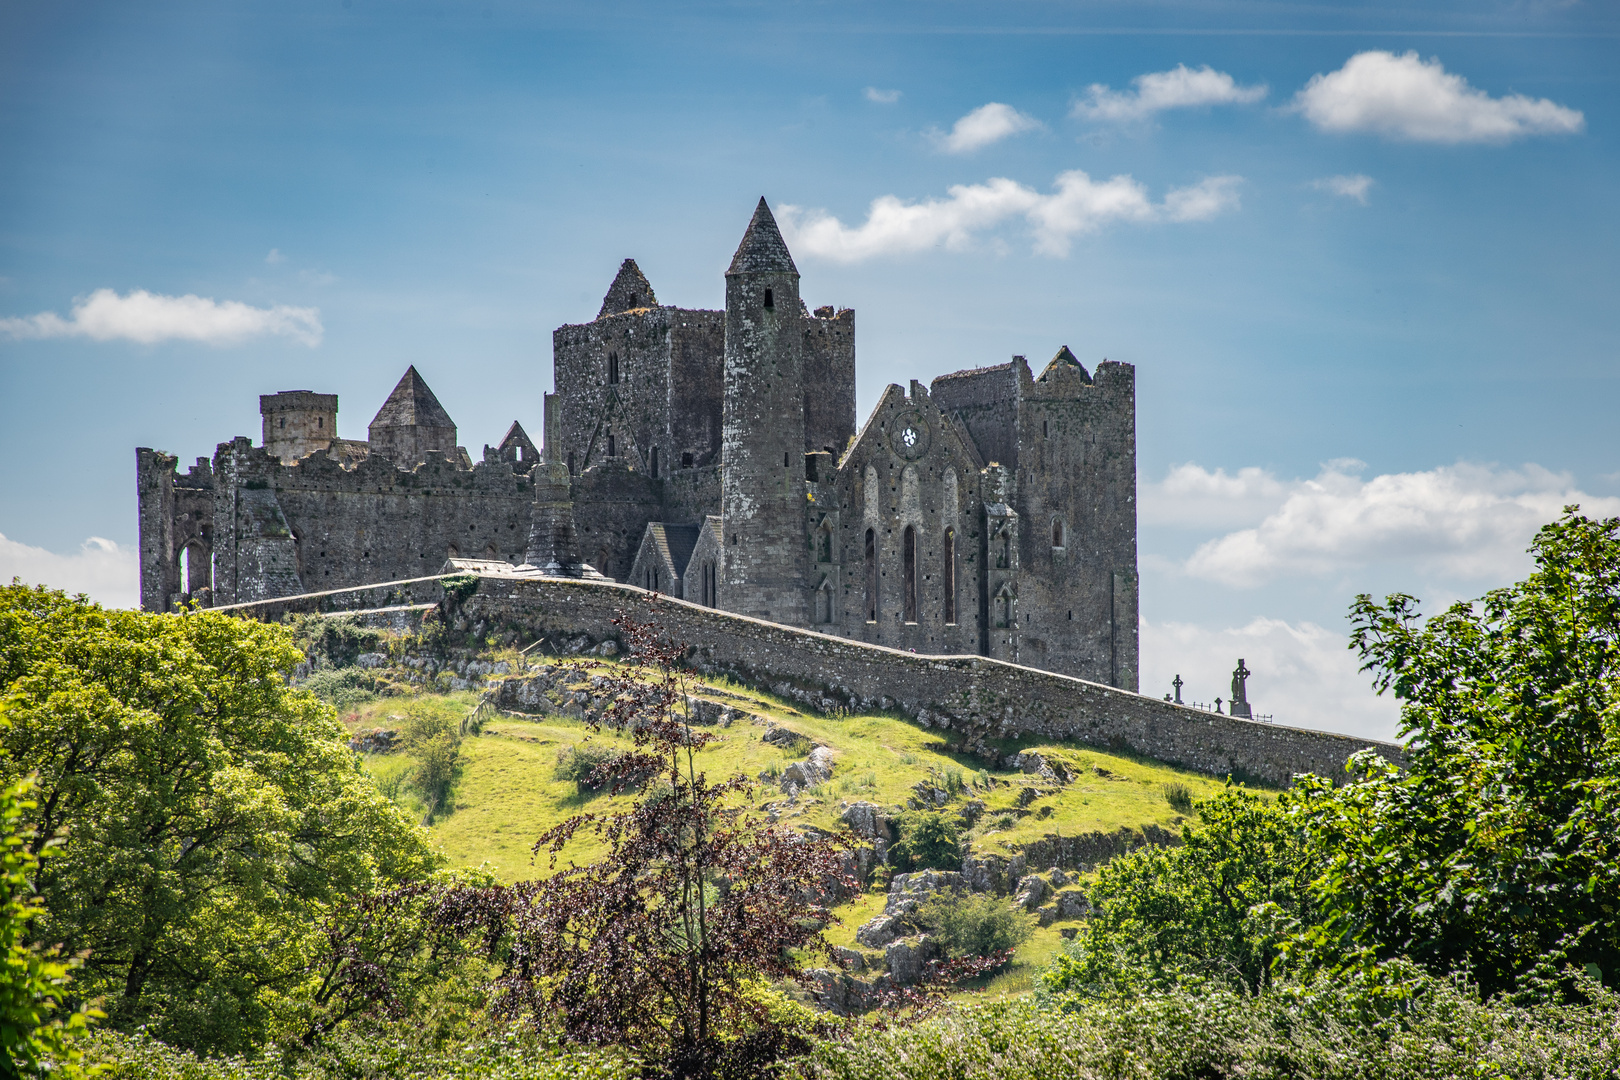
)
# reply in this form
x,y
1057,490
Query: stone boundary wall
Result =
x,y
978,700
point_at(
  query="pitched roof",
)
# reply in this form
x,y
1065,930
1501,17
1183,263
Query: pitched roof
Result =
x,y
630,290
1065,358
412,404
762,251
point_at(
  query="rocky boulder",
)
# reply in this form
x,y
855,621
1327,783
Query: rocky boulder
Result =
x,y
1032,892
908,959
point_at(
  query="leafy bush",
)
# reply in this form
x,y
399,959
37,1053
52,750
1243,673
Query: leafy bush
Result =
x,y
1220,905
975,924
343,688
433,743
338,639
579,764
1328,1032
928,841
1179,796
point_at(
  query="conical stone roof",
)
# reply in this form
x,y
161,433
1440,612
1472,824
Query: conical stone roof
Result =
x,y
762,251
412,404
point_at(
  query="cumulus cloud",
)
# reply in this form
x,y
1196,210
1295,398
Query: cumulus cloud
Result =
x,y
1346,187
1303,674
985,125
1181,87
1191,495
275,257
1404,97
1078,204
882,97
148,318
1469,522
108,573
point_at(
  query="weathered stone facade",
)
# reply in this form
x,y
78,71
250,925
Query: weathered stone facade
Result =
x,y
712,455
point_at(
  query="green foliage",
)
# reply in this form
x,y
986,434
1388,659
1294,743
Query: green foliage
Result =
x,y
378,1053
975,924
928,841
1179,796
1292,1032
337,639
1217,906
458,587
35,1022
343,688
211,817
576,765
434,746
1498,850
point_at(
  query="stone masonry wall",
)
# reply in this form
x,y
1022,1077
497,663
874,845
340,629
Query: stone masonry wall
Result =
x,y
973,700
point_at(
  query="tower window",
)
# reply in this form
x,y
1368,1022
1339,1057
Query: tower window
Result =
x,y
283,421
635,301
613,447
909,572
770,301
1057,533
784,459
948,578
320,421
613,367
686,461
572,471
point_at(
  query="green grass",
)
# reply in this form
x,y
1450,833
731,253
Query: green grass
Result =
x,y
507,793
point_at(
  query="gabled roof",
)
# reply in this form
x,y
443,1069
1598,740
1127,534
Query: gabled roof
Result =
x,y
674,543
630,290
516,436
412,404
1065,360
762,251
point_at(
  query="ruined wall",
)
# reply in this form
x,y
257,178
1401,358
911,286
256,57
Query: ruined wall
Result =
x,y
612,505
175,515
986,401
282,529
1077,478
829,380
971,700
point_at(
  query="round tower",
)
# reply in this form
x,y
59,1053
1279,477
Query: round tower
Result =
x,y
762,567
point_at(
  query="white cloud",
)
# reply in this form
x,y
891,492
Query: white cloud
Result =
x,y
1303,675
1078,205
1179,88
981,127
107,572
1191,495
275,256
1347,187
1469,522
1404,97
882,97
149,318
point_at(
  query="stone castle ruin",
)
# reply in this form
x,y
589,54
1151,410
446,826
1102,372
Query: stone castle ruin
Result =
x,y
711,456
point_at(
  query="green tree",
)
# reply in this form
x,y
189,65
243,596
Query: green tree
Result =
x,y
928,841
35,1024
210,816
1219,906
1497,850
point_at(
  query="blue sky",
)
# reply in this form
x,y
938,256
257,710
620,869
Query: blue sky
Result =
x,y
1364,258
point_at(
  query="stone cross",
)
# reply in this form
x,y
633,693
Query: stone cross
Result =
x,y
1217,703
1240,691
1177,683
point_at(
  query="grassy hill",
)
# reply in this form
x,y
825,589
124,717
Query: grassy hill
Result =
x,y
507,792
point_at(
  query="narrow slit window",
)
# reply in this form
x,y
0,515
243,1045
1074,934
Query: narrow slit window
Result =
x,y
613,367
770,301
654,457
948,577
909,572
613,447
871,576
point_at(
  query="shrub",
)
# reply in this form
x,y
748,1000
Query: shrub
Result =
x,y
976,924
1179,796
343,688
928,841
578,765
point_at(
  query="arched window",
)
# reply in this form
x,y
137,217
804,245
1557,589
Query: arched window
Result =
x,y
871,576
948,578
1057,532
654,457
824,544
770,301
613,367
908,573
1004,559
602,562
824,604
